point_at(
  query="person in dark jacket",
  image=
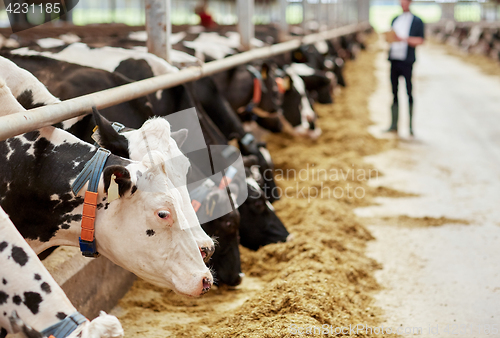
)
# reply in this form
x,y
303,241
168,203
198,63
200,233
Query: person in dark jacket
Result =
x,y
409,33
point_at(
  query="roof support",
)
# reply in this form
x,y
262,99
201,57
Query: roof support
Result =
x,y
245,22
159,27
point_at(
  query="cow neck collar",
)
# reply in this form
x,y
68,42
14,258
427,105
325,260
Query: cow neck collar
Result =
x,y
65,327
257,88
91,173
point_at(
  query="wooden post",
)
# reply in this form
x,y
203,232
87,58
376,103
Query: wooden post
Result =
x,y
245,22
158,27
283,23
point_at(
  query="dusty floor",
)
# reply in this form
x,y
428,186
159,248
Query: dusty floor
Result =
x,y
323,276
443,277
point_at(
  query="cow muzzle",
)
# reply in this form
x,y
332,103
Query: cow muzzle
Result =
x,y
207,284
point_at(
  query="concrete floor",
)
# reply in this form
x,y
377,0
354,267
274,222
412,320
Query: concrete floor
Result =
x,y
443,279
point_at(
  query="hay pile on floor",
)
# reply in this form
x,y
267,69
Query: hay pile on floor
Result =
x,y
323,275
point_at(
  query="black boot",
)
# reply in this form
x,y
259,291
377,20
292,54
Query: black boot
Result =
x,y
411,120
395,116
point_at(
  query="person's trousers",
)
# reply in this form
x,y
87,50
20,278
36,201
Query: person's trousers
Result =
x,y
404,69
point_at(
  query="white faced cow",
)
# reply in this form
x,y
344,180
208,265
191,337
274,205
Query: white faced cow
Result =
x,y
139,221
30,299
155,135
26,87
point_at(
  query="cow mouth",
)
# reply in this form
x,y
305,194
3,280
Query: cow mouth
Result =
x,y
207,284
206,253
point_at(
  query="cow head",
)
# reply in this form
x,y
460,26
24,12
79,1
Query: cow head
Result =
x,y
259,223
146,230
226,260
155,135
297,107
265,166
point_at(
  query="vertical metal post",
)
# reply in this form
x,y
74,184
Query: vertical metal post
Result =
x,y
245,23
304,13
329,16
340,13
318,14
283,24
112,5
158,27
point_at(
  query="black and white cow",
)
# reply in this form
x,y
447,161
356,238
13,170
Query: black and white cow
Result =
x,y
139,223
31,93
297,107
246,146
324,57
28,291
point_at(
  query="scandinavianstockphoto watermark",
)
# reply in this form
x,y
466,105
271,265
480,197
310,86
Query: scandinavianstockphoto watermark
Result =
x,y
323,178
356,329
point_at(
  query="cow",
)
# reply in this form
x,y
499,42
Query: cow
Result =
x,y
297,108
28,291
259,224
134,217
133,146
324,57
31,93
251,90
248,144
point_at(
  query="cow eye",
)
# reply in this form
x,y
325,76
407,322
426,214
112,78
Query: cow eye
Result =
x,y
164,214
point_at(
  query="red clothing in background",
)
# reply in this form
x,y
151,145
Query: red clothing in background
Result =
x,y
206,19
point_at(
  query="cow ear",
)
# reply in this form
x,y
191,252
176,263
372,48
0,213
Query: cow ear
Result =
x,y
121,177
109,138
179,136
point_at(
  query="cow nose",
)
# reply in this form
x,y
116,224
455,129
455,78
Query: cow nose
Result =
x,y
207,284
207,252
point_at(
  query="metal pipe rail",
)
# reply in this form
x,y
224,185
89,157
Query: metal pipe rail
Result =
x,y
23,122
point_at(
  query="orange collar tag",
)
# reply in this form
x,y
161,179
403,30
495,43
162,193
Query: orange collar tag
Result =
x,y
88,216
257,91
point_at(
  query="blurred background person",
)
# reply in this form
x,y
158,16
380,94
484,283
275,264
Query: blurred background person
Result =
x,y
205,17
407,33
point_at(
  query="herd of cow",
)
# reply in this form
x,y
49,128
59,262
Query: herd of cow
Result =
x,y
475,38
136,208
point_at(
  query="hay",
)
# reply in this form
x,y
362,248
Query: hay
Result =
x,y
321,277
